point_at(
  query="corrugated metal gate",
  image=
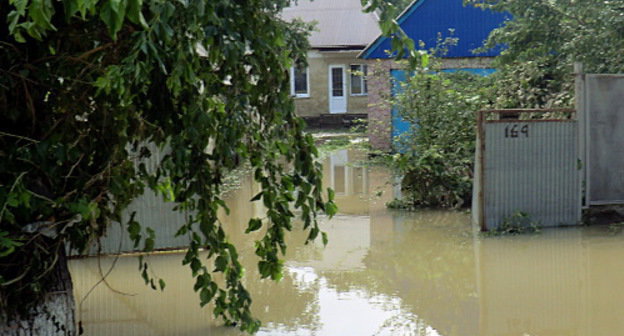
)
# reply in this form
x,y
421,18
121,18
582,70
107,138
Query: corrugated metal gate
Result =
x,y
527,162
603,127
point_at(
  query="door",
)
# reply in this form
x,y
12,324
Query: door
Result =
x,y
337,89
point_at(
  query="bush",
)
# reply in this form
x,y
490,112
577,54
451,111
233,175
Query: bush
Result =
x,y
437,153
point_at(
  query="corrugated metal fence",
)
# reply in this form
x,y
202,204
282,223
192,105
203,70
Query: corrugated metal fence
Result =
x,y
154,212
527,162
151,211
603,130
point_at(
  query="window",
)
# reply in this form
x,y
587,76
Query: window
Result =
x,y
358,79
299,81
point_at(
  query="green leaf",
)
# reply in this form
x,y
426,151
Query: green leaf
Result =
x,y
13,19
71,8
41,11
149,240
254,224
205,295
221,263
20,5
182,231
199,282
331,209
314,231
13,201
112,13
424,59
134,229
134,11
330,194
149,244
7,244
195,265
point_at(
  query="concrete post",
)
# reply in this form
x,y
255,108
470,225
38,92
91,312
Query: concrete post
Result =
x,y
581,116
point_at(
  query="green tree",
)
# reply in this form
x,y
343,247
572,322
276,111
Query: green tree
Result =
x,y
544,39
436,155
90,89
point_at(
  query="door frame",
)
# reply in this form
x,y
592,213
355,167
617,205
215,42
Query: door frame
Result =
x,y
332,108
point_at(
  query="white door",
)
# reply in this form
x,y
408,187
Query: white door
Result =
x,y
337,89
339,173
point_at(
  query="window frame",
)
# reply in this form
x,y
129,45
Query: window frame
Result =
x,y
292,83
362,79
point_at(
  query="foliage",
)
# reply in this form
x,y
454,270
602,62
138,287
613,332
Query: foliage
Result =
x,y
436,154
401,44
533,84
335,143
518,223
543,40
399,5
331,144
91,89
400,204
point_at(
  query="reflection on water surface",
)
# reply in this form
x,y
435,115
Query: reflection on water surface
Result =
x,y
383,273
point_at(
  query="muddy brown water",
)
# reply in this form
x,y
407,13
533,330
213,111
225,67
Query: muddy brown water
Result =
x,y
383,273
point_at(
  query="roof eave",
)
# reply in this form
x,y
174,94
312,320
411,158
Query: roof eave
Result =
x,y
338,47
365,54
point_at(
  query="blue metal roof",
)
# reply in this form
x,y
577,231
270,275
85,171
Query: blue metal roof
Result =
x,y
423,20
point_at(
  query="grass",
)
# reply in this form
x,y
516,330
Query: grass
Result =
x,y
517,223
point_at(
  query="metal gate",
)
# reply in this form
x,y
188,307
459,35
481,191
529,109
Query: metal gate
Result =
x,y
603,137
527,162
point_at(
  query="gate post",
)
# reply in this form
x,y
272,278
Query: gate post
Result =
x,y
581,115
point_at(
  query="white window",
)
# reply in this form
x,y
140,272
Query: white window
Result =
x,y
358,79
299,81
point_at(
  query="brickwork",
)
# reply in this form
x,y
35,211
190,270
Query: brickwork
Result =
x,y
379,109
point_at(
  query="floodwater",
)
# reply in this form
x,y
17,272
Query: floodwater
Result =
x,y
383,273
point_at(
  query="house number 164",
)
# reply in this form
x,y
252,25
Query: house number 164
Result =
x,y
516,131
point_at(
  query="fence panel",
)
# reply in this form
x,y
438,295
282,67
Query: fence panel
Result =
x,y
527,166
604,141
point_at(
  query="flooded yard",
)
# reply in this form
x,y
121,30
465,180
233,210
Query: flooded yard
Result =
x,y
384,272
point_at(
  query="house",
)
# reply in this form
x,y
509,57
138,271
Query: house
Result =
x,y
426,21
333,87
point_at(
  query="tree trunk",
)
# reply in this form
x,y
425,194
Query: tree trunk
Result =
x,y
55,315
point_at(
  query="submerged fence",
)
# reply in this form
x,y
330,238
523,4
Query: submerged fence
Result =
x,y
527,168
550,163
600,96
